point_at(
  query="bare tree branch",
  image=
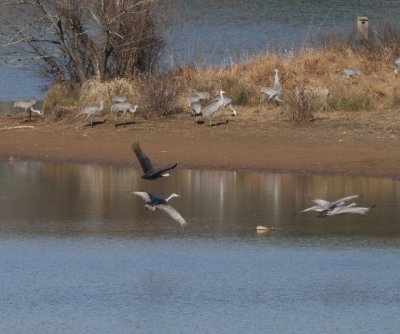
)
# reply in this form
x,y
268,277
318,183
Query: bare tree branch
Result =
x,y
74,40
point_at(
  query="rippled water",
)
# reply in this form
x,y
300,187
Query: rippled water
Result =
x,y
78,253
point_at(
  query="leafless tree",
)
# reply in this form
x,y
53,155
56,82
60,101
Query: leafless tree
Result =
x,y
75,40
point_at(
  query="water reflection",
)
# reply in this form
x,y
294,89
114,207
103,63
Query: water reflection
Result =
x,y
53,199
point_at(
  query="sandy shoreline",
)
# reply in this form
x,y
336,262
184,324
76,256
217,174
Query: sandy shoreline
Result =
x,y
331,145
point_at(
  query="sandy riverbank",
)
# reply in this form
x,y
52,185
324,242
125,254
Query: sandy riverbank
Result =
x,y
335,143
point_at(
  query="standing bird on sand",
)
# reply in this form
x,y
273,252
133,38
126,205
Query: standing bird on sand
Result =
x,y
196,110
27,105
149,172
212,108
153,203
123,107
91,111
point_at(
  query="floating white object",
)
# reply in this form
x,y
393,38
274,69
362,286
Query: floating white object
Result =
x,y
261,228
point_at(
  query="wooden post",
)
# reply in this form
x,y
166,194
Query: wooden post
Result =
x,y
362,28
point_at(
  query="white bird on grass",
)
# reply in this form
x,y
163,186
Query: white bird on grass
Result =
x,y
153,203
397,63
350,72
275,91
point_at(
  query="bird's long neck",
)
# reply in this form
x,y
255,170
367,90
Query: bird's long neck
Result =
x,y
276,78
170,197
221,94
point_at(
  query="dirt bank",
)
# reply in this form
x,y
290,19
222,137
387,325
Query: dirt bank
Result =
x,y
361,144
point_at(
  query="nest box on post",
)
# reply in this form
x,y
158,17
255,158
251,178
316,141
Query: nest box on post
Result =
x,y
362,28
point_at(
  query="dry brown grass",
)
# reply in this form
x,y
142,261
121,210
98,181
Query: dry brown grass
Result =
x,y
377,88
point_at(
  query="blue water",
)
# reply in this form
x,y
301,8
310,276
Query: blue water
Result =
x,y
187,285
218,32
79,254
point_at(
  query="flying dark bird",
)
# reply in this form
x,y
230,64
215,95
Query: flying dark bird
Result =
x,y
149,172
153,203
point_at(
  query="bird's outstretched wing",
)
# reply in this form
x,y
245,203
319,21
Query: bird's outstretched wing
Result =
x,y
321,202
168,209
143,159
344,199
145,196
161,171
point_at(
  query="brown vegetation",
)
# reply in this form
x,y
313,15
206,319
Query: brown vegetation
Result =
x,y
302,76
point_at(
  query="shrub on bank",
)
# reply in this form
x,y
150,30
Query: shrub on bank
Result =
x,y
302,76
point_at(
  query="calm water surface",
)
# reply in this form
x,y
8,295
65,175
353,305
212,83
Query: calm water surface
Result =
x,y
78,254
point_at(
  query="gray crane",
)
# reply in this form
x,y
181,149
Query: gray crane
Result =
x,y
275,91
153,203
397,63
119,99
227,102
196,109
351,208
213,107
325,91
27,105
124,108
322,206
350,72
197,97
91,111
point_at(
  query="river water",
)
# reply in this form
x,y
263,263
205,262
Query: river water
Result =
x,y
217,32
79,254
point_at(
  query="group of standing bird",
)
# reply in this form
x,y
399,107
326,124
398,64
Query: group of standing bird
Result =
x,y
150,173
195,101
120,104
